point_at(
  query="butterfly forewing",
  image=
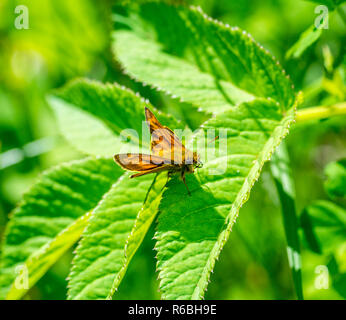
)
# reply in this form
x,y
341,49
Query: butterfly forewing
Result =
x,y
164,143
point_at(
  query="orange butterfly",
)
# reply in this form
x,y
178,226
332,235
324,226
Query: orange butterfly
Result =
x,y
167,153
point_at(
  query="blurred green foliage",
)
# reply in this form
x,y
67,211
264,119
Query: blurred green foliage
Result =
x,y
67,39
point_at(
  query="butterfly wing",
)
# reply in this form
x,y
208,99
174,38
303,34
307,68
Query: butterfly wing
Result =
x,y
164,143
144,163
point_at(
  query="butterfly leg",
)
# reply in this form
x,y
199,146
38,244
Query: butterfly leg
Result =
x,y
183,178
169,174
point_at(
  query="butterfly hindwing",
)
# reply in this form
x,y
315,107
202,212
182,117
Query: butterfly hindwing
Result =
x,y
140,162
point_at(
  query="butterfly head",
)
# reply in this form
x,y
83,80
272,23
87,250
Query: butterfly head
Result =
x,y
197,160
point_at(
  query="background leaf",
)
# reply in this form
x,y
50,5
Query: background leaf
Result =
x,y
338,276
306,39
61,196
335,184
281,171
331,4
319,221
41,260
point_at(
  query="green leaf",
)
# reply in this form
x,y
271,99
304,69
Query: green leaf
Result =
x,y
85,132
141,226
324,226
281,171
312,34
306,39
120,221
198,59
331,4
338,276
222,70
99,119
335,184
92,117
62,195
40,261
192,230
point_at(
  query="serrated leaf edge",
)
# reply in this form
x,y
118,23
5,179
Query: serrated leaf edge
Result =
x,y
206,18
242,197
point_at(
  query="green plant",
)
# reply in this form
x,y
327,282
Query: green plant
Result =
x,y
321,218
220,73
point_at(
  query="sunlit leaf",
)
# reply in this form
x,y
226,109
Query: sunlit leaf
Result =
x,y
324,225
202,61
61,195
120,222
306,39
193,230
335,184
41,260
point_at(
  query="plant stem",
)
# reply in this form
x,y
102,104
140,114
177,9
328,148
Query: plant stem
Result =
x,y
321,112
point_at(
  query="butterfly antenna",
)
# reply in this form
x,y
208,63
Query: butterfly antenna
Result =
x,y
217,137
